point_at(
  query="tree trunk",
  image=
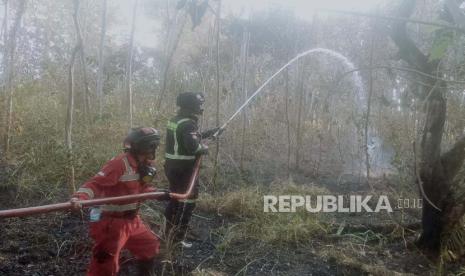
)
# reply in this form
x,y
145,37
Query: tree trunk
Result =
x,y
169,59
101,58
431,171
367,118
70,109
129,59
217,145
82,61
9,60
244,60
4,30
288,123
69,121
312,120
3,95
301,91
436,170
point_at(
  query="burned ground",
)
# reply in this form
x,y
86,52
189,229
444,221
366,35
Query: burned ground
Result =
x,y
361,244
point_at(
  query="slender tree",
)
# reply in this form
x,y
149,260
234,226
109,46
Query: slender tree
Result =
x,y
83,67
367,115
288,122
300,103
101,58
4,30
287,98
129,60
70,109
442,210
217,61
8,67
3,95
244,61
174,36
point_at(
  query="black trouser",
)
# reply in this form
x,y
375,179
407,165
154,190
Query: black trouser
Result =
x,y
178,213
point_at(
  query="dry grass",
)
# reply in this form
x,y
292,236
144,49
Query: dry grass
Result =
x,y
245,208
207,272
347,258
38,153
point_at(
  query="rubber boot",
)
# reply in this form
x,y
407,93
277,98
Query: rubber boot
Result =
x,y
149,267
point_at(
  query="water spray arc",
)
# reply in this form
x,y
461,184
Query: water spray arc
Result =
x,y
155,195
357,80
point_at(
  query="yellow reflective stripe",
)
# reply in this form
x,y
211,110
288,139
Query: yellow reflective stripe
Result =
x,y
129,177
87,191
179,157
188,200
173,127
128,168
119,208
182,121
175,137
129,174
176,146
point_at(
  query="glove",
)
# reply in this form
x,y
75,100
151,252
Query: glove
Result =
x,y
75,204
209,133
166,196
80,196
203,150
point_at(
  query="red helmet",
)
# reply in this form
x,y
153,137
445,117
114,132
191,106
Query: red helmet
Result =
x,y
142,139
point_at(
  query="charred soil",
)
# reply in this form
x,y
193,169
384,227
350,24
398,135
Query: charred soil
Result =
x,y
58,244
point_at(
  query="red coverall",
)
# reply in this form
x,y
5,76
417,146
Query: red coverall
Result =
x,y
120,226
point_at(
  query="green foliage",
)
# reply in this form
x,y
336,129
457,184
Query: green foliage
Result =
x,y
443,38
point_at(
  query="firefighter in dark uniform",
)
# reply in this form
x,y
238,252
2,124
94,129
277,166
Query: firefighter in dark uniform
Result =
x,y
183,145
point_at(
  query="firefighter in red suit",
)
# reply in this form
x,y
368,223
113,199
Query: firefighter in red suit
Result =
x,y
116,227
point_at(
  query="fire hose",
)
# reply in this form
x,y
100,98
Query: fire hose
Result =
x,y
154,195
28,211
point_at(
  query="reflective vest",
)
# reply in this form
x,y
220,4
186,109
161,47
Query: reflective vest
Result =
x,y
174,150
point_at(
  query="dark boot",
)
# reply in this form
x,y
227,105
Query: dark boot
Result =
x,y
172,216
186,214
150,267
